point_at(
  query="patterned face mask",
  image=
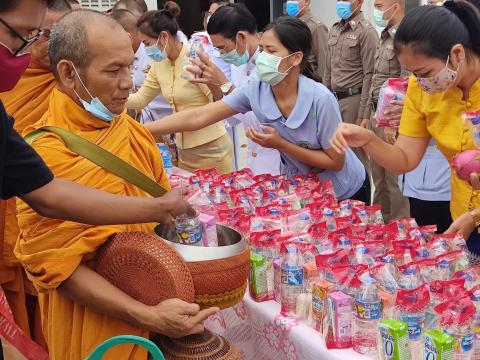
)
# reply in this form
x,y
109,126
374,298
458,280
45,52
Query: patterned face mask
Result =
x,y
440,82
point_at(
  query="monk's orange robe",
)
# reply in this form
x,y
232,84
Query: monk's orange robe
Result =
x,y
51,250
27,103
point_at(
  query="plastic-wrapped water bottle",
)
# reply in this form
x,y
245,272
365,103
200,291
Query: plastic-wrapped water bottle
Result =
x,y
474,118
476,323
408,278
443,270
166,158
362,256
292,281
196,44
368,311
345,243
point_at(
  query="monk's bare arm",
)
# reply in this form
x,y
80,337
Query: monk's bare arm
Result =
x,y
61,199
174,317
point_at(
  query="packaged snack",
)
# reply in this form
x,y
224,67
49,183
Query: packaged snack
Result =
x,y
338,322
243,200
320,291
329,218
386,275
456,320
401,227
361,214
472,118
209,226
438,245
411,306
343,222
438,345
394,340
298,221
319,236
374,214
393,89
471,276
258,278
229,217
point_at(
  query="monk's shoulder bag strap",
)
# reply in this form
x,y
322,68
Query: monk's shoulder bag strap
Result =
x,y
100,157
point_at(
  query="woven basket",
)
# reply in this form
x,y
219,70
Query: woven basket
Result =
x,y
204,346
221,282
145,268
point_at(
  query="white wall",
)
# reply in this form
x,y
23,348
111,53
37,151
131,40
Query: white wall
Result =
x,y
152,4
325,10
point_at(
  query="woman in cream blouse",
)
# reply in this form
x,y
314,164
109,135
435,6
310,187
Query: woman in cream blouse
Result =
x,y
206,148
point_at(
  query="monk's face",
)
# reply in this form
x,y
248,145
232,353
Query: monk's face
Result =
x,y
39,50
108,74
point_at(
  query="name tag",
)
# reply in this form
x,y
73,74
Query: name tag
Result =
x,y
389,47
352,36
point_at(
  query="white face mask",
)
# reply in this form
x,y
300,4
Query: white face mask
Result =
x,y
440,82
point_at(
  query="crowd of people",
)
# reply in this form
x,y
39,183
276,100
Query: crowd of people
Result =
x,y
304,95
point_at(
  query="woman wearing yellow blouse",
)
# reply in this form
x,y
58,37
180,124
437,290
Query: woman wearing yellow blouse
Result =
x,y
207,148
441,47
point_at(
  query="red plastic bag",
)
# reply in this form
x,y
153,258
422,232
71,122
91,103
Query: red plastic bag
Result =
x,y
15,345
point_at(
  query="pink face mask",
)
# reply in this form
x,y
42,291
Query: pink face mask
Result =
x,y
11,67
440,82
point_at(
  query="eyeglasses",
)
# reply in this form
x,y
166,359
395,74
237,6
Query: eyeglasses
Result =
x,y
26,42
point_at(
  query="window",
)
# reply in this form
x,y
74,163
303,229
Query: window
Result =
x,y
101,5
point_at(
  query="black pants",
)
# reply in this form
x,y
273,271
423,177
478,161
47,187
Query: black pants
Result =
x,y
365,192
431,213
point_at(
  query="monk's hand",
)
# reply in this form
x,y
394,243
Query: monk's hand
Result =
x,y
173,205
349,135
270,138
176,318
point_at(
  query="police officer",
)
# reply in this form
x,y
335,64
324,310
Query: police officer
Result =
x,y
352,43
319,31
387,15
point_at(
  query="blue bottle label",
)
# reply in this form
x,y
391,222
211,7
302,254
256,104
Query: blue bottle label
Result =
x,y
368,310
467,343
292,276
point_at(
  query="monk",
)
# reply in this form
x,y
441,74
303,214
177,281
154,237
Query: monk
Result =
x,y
27,103
90,56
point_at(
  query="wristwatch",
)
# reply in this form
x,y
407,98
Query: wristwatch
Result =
x,y
475,218
225,88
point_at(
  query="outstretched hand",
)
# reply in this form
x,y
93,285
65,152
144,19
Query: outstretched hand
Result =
x,y
349,135
269,139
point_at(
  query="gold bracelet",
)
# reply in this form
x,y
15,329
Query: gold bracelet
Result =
x,y
475,218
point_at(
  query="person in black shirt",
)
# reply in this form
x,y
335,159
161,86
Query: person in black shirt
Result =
x,y
24,174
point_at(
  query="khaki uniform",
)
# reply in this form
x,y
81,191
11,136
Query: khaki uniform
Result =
x,y
318,56
349,67
387,193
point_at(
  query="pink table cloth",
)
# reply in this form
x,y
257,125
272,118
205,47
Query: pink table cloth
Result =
x,y
261,333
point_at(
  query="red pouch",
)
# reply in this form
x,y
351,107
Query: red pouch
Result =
x,y
441,291
413,300
456,312
229,217
14,344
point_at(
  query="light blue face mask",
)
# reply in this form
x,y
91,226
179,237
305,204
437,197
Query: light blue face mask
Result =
x,y
267,68
293,8
234,58
378,17
344,9
95,107
155,53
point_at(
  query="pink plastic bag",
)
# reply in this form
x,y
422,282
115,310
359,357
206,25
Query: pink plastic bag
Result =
x,y
393,89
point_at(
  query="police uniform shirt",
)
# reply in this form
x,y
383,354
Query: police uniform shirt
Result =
x,y
319,32
351,57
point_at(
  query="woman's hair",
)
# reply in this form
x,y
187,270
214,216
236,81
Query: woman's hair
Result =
x,y
434,30
173,8
152,23
295,36
229,19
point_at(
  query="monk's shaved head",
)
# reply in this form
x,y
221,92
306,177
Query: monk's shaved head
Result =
x,y
71,38
130,5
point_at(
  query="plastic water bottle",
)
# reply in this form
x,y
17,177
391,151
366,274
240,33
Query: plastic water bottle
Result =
x,y
474,118
196,44
166,158
292,281
368,311
362,256
443,270
476,325
415,322
408,279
